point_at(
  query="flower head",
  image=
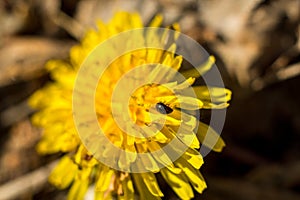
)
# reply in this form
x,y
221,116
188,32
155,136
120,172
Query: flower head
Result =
x,y
141,110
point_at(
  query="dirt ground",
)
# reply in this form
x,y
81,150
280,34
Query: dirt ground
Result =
x,y
257,47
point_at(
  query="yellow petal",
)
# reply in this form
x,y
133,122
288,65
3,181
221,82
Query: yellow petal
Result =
x,y
193,157
153,56
156,21
151,183
209,137
78,189
187,83
187,103
160,137
51,96
64,173
160,71
179,183
63,73
148,161
185,132
53,142
194,176
176,27
177,63
143,189
212,94
128,190
103,195
166,99
68,142
126,158
136,21
208,105
189,121
162,157
47,147
104,179
77,56
200,70
190,140
50,116
164,119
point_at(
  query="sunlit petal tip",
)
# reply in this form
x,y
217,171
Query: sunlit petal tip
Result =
x,y
157,21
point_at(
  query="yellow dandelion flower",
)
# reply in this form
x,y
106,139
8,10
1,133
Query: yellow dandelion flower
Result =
x,y
120,111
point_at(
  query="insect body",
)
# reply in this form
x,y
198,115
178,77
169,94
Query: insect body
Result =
x,y
163,109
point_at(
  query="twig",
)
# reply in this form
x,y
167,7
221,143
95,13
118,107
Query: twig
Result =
x,y
31,182
289,72
23,58
15,113
66,22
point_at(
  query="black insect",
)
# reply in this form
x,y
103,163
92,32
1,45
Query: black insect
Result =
x,y
163,109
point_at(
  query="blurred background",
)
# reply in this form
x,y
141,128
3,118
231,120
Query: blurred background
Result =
x,y
257,47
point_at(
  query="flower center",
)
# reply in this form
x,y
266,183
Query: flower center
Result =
x,y
147,101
